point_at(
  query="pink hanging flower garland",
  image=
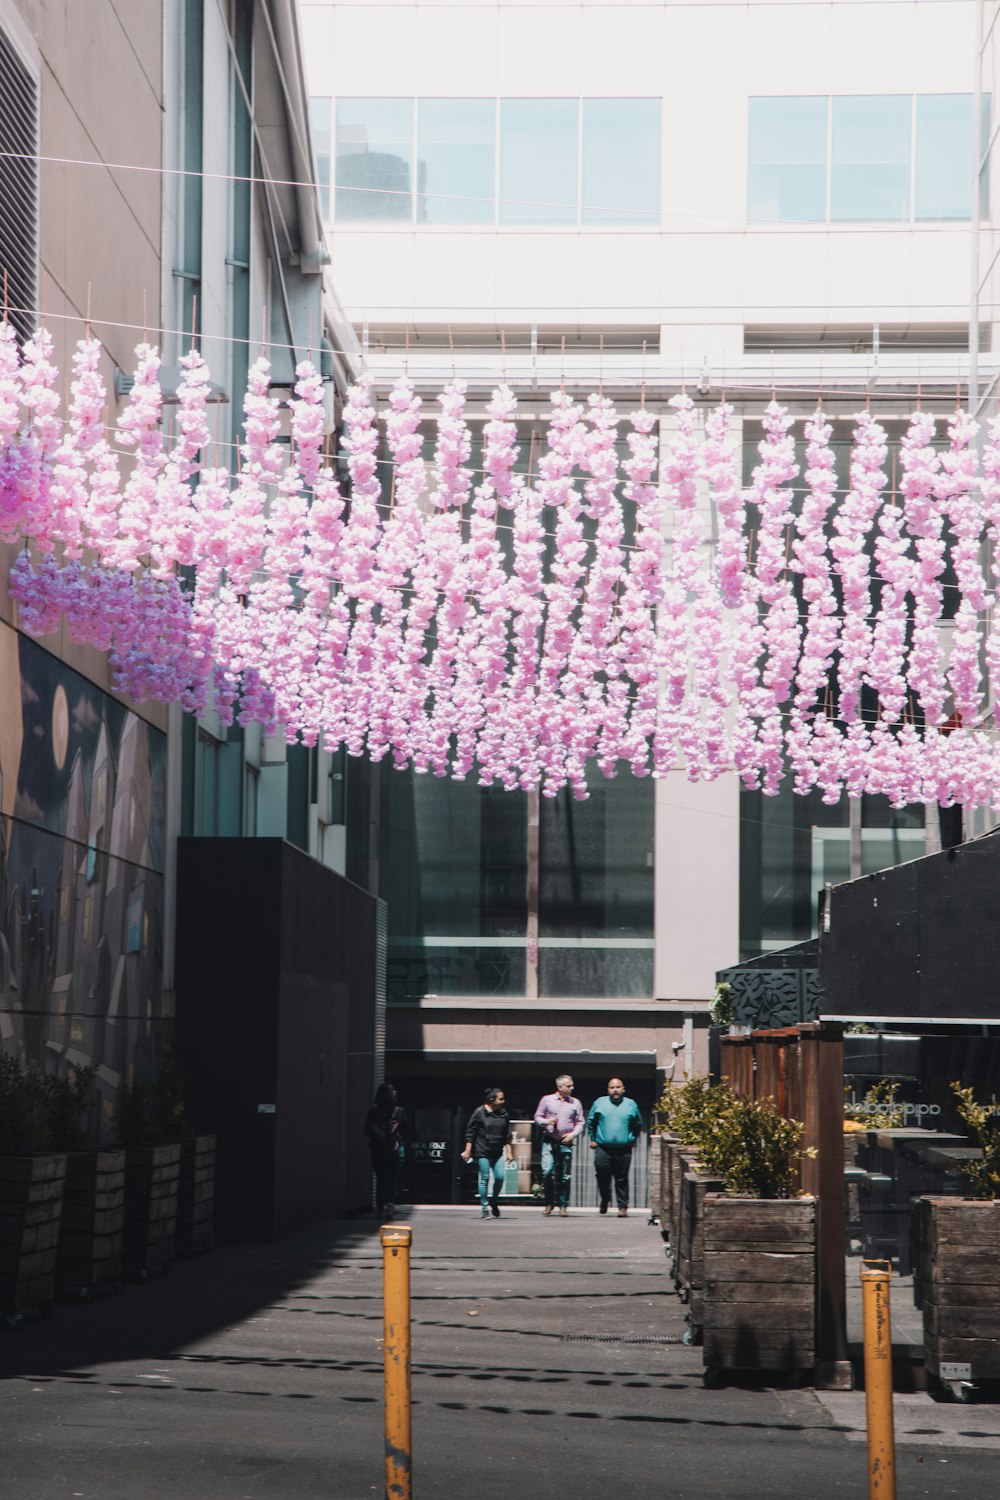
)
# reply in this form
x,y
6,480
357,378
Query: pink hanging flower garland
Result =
x,y
822,627
642,591
957,490
451,494
566,439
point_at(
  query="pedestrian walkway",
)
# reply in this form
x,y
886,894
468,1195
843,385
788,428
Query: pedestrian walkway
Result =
x,y
547,1358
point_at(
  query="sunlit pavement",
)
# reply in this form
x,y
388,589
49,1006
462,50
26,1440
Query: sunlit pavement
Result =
x,y
546,1355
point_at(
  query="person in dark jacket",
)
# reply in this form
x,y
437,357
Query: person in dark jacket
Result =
x,y
487,1142
388,1134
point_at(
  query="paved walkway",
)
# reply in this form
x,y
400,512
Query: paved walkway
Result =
x,y
547,1360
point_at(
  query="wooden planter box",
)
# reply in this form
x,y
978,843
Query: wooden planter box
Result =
x,y
958,1261
152,1178
667,1144
196,1196
655,1176
760,1283
689,1266
31,1202
92,1232
682,1159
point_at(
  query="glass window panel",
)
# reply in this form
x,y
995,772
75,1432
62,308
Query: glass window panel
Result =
x,y
944,161
453,870
621,161
538,161
870,170
374,159
595,973
320,118
456,147
786,180
596,861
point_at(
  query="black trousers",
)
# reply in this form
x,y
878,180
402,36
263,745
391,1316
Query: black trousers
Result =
x,y
613,1162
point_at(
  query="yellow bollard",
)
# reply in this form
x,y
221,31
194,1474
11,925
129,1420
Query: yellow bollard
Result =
x,y
878,1379
396,1303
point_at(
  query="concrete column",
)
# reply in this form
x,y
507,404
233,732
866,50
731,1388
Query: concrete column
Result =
x,y
696,834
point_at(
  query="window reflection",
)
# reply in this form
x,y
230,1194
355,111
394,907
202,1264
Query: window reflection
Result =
x,y
857,151
944,148
320,116
787,170
621,161
374,159
539,141
595,879
453,871
870,157
791,847
455,156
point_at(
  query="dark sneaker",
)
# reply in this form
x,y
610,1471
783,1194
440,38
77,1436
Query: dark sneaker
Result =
x,y
485,1214
495,1210
603,1206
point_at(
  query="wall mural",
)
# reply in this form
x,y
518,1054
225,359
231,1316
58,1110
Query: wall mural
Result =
x,y
82,784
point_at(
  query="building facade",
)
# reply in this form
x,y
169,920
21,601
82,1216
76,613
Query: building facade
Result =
x,y
198,223
82,771
746,200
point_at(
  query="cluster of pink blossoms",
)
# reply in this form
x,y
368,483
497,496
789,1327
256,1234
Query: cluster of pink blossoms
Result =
x,y
530,619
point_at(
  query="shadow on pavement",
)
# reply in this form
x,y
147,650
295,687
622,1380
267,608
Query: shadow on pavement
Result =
x,y
228,1284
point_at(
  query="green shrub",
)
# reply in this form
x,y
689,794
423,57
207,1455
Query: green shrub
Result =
x,y
149,1114
879,1109
721,1010
22,1122
65,1101
41,1111
135,1116
754,1149
689,1109
984,1123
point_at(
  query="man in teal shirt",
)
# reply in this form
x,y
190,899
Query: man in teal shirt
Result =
x,y
613,1125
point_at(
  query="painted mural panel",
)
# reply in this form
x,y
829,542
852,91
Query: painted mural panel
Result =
x,y
82,835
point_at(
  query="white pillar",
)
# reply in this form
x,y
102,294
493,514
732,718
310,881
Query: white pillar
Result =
x,y
697,885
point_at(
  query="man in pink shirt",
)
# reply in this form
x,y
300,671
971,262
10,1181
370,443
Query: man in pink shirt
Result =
x,y
561,1120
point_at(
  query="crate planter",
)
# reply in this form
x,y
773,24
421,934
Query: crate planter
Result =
x,y
31,1202
92,1232
760,1284
683,1159
958,1263
689,1265
152,1179
196,1196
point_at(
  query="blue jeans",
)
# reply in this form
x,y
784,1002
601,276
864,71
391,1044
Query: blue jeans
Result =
x,y
557,1171
487,1169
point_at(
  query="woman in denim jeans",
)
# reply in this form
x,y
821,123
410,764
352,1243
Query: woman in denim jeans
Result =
x,y
487,1140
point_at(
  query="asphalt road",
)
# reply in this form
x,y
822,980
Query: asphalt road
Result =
x,y
544,1363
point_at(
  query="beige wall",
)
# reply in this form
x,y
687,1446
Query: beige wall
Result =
x,y
100,73
553,1027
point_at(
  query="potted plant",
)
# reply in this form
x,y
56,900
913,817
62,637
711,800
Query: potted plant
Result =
x,y
759,1244
958,1262
91,1231
152,1175
688,1111
32,1181
170,1174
